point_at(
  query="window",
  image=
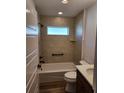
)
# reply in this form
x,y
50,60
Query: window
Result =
x,y
51,30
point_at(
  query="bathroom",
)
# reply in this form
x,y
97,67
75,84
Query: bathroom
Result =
x,y
61,46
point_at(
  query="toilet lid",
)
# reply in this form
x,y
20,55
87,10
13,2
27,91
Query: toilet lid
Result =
x,y
70,75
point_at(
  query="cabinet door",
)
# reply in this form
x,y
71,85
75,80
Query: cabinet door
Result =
x,y
82,85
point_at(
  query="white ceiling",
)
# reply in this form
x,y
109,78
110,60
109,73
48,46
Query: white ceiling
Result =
x,y
52,7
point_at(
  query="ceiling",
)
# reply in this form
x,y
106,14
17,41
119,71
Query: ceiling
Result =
x,y
52,7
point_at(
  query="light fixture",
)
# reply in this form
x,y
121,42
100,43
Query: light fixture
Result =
x,y
65,1
60,13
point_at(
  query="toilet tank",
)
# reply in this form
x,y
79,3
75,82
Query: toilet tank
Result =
x,y
83,62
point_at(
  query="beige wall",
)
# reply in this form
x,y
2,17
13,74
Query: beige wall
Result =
x,y
32,54
79,30
57,44
90,34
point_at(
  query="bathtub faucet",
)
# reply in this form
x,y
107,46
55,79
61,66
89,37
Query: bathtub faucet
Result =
x,y
39,66
41,62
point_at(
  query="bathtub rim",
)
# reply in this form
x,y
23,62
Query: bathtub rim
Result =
x,y
54,71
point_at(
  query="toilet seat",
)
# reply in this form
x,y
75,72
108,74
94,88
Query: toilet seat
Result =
x,y
71,75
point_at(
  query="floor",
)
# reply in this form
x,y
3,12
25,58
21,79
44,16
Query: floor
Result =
x,y
53,87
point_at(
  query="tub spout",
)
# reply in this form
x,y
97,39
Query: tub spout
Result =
x,y
39,66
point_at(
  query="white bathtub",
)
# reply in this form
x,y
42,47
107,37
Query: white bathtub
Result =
x,y
54,71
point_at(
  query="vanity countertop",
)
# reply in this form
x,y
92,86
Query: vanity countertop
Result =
x,y
88,75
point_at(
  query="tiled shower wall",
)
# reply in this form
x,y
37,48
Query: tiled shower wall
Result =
x,y
31,64
32,51
57,44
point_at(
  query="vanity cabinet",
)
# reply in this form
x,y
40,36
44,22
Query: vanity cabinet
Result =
x,y
82,85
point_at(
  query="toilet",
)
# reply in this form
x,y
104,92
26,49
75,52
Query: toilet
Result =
x,y
70,78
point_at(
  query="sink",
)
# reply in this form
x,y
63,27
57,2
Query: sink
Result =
x,y
90,71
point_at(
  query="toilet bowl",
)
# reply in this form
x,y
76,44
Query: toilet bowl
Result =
x,y
70,78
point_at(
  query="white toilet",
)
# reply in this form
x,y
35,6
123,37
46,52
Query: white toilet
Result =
x,y
70,78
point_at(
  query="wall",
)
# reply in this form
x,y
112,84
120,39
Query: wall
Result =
x,y
32,55
95,69
57,44
79,30
90,34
